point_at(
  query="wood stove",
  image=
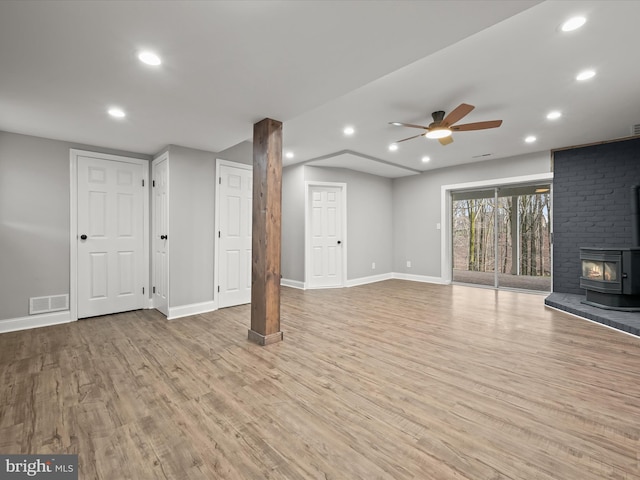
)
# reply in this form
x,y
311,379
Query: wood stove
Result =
x,y
611,276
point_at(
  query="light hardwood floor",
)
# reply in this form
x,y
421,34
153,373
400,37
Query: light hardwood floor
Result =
x,y
393,380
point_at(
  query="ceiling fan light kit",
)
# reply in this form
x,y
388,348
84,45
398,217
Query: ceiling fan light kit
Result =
x,y
438,133
442,127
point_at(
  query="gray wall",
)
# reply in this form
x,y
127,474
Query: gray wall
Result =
x,y
35,218
292,264
369,213
591,204
191,225
369,219
388,221
240,153
416,207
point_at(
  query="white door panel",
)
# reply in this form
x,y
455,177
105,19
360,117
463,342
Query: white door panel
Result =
x,y
111,264
234,197
160,235
325,216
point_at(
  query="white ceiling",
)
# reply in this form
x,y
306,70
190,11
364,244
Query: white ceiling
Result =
x,y
318,66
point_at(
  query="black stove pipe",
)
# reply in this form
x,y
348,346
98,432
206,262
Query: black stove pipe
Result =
x,y
635,216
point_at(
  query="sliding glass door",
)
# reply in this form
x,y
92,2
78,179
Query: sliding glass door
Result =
x,y
501,237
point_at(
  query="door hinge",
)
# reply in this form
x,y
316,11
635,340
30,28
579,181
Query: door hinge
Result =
x,y
143,182
218,288
218,233
153,183
219,180
154,289
143,290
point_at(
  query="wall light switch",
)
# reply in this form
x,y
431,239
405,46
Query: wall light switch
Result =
x,y
373,266
437,226
408,263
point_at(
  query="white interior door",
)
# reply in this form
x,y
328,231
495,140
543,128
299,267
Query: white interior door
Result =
x,y
234,204
325,237
160,235
111,267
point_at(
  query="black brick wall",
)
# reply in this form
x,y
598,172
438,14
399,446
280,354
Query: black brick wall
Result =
x,y
591,204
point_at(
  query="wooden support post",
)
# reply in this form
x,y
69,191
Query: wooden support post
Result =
x,y
266,237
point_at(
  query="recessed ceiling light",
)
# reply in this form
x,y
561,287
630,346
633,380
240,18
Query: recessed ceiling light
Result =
x,y
553,115
289,154
530,139
425,159
393,147
397,124
586,75
116,112
149,58
542,190
573,24
349,130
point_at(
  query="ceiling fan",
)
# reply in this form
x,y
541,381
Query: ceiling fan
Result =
x,y
442,127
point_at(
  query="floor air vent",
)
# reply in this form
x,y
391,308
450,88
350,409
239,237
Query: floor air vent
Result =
x,y
48,304
635,129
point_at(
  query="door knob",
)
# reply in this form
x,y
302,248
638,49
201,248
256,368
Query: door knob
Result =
x,y
83,237
163,237
339,242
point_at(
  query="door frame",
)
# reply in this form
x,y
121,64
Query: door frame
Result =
x,y
307,230
216,243
446,213
73,221
152,239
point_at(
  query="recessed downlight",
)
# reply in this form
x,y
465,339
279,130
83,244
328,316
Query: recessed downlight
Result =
x,y
530,139
149,58
425,159
393,147
585,75
554,115
289,155
116,112
573,24
349,131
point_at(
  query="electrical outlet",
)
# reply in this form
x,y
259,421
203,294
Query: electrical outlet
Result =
x,y
373,266
408,263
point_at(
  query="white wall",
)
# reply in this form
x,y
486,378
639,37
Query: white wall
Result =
x,y
35,218
416,207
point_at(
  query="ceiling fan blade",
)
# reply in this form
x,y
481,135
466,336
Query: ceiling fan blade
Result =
x,y
457,114
400,124
405,139
446,140
476,126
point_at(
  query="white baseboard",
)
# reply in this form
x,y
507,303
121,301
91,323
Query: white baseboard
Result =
x,y
419,278
192,309
35,321
285,282
371,279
